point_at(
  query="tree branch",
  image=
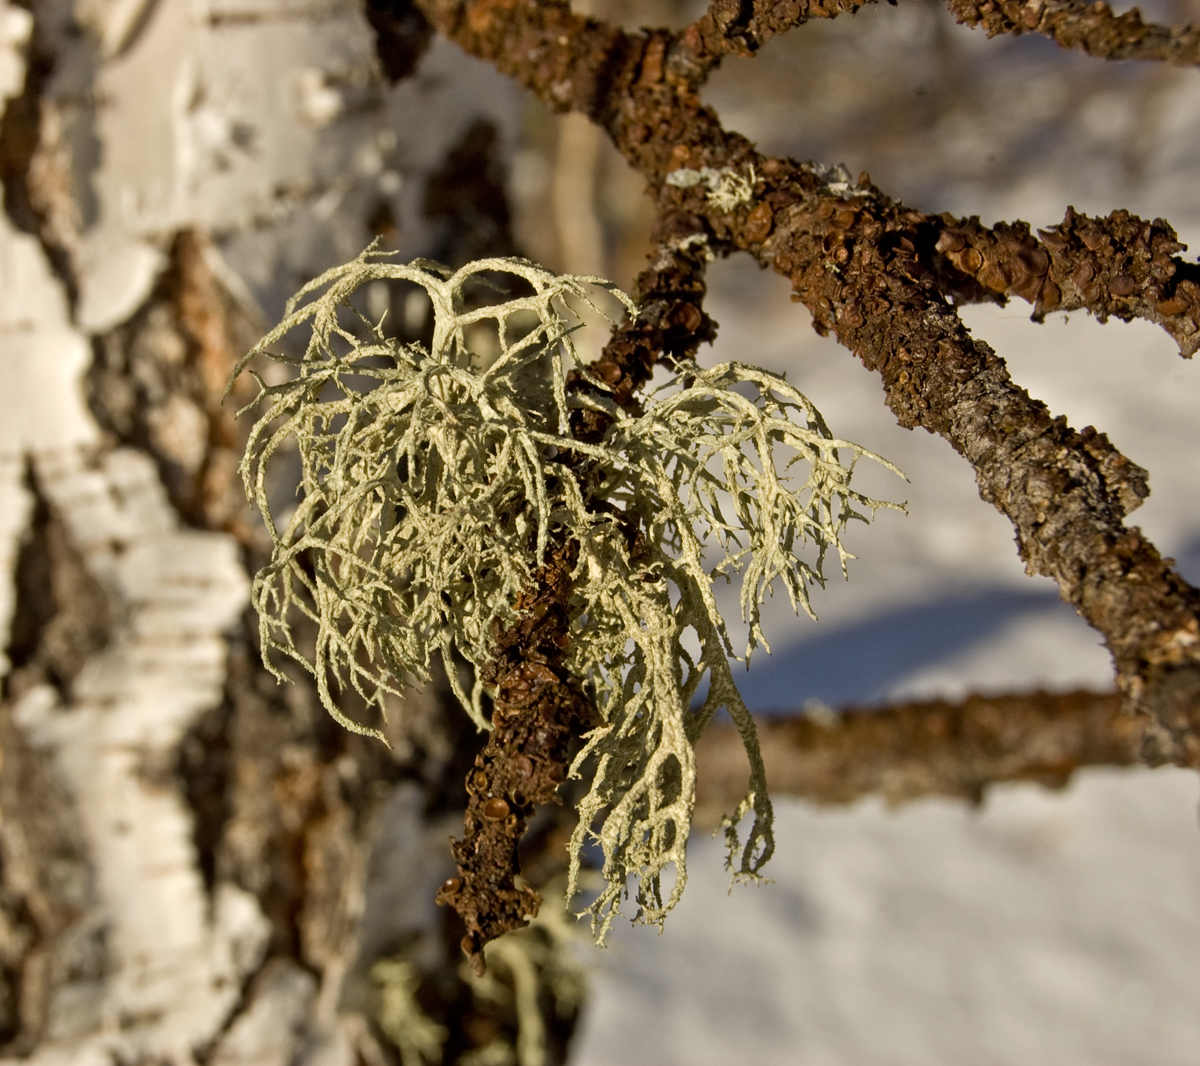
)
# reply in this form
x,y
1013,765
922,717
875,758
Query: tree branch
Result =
x,y
730,27
1066,492
523,764
1120,265
1088,27
854,258
733,27
925,749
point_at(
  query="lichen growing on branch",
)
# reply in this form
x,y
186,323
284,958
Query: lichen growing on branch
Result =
x,y
434,480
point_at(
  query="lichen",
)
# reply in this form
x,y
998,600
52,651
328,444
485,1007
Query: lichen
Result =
x,y
433,481
727,189
399,1014
540,957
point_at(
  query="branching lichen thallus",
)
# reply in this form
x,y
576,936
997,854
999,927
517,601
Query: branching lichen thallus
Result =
x,y
429,493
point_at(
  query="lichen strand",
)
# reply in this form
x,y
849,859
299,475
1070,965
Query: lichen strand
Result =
x,y
424,478
538,708
701,447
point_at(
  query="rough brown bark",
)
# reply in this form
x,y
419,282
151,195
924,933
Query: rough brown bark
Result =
x,y
1120,266
732,28
537,709
1093,28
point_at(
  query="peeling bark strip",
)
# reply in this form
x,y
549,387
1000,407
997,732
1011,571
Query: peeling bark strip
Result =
x,y
61,615
860,262
927,749
156,382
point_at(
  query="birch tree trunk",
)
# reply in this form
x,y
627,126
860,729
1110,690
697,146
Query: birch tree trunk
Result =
x,y
196,864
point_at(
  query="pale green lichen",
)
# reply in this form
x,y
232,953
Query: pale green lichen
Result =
x,y
532,961
727,188
399,1015
529,970
430,490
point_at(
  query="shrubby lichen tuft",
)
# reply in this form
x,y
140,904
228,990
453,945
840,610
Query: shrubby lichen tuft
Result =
x,y
432,482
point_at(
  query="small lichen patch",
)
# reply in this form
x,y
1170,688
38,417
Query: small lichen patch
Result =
x,y
727,188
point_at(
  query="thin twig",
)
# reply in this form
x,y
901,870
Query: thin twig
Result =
x,y
934,748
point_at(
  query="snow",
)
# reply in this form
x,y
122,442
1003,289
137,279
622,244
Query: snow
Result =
x,y
1045,928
